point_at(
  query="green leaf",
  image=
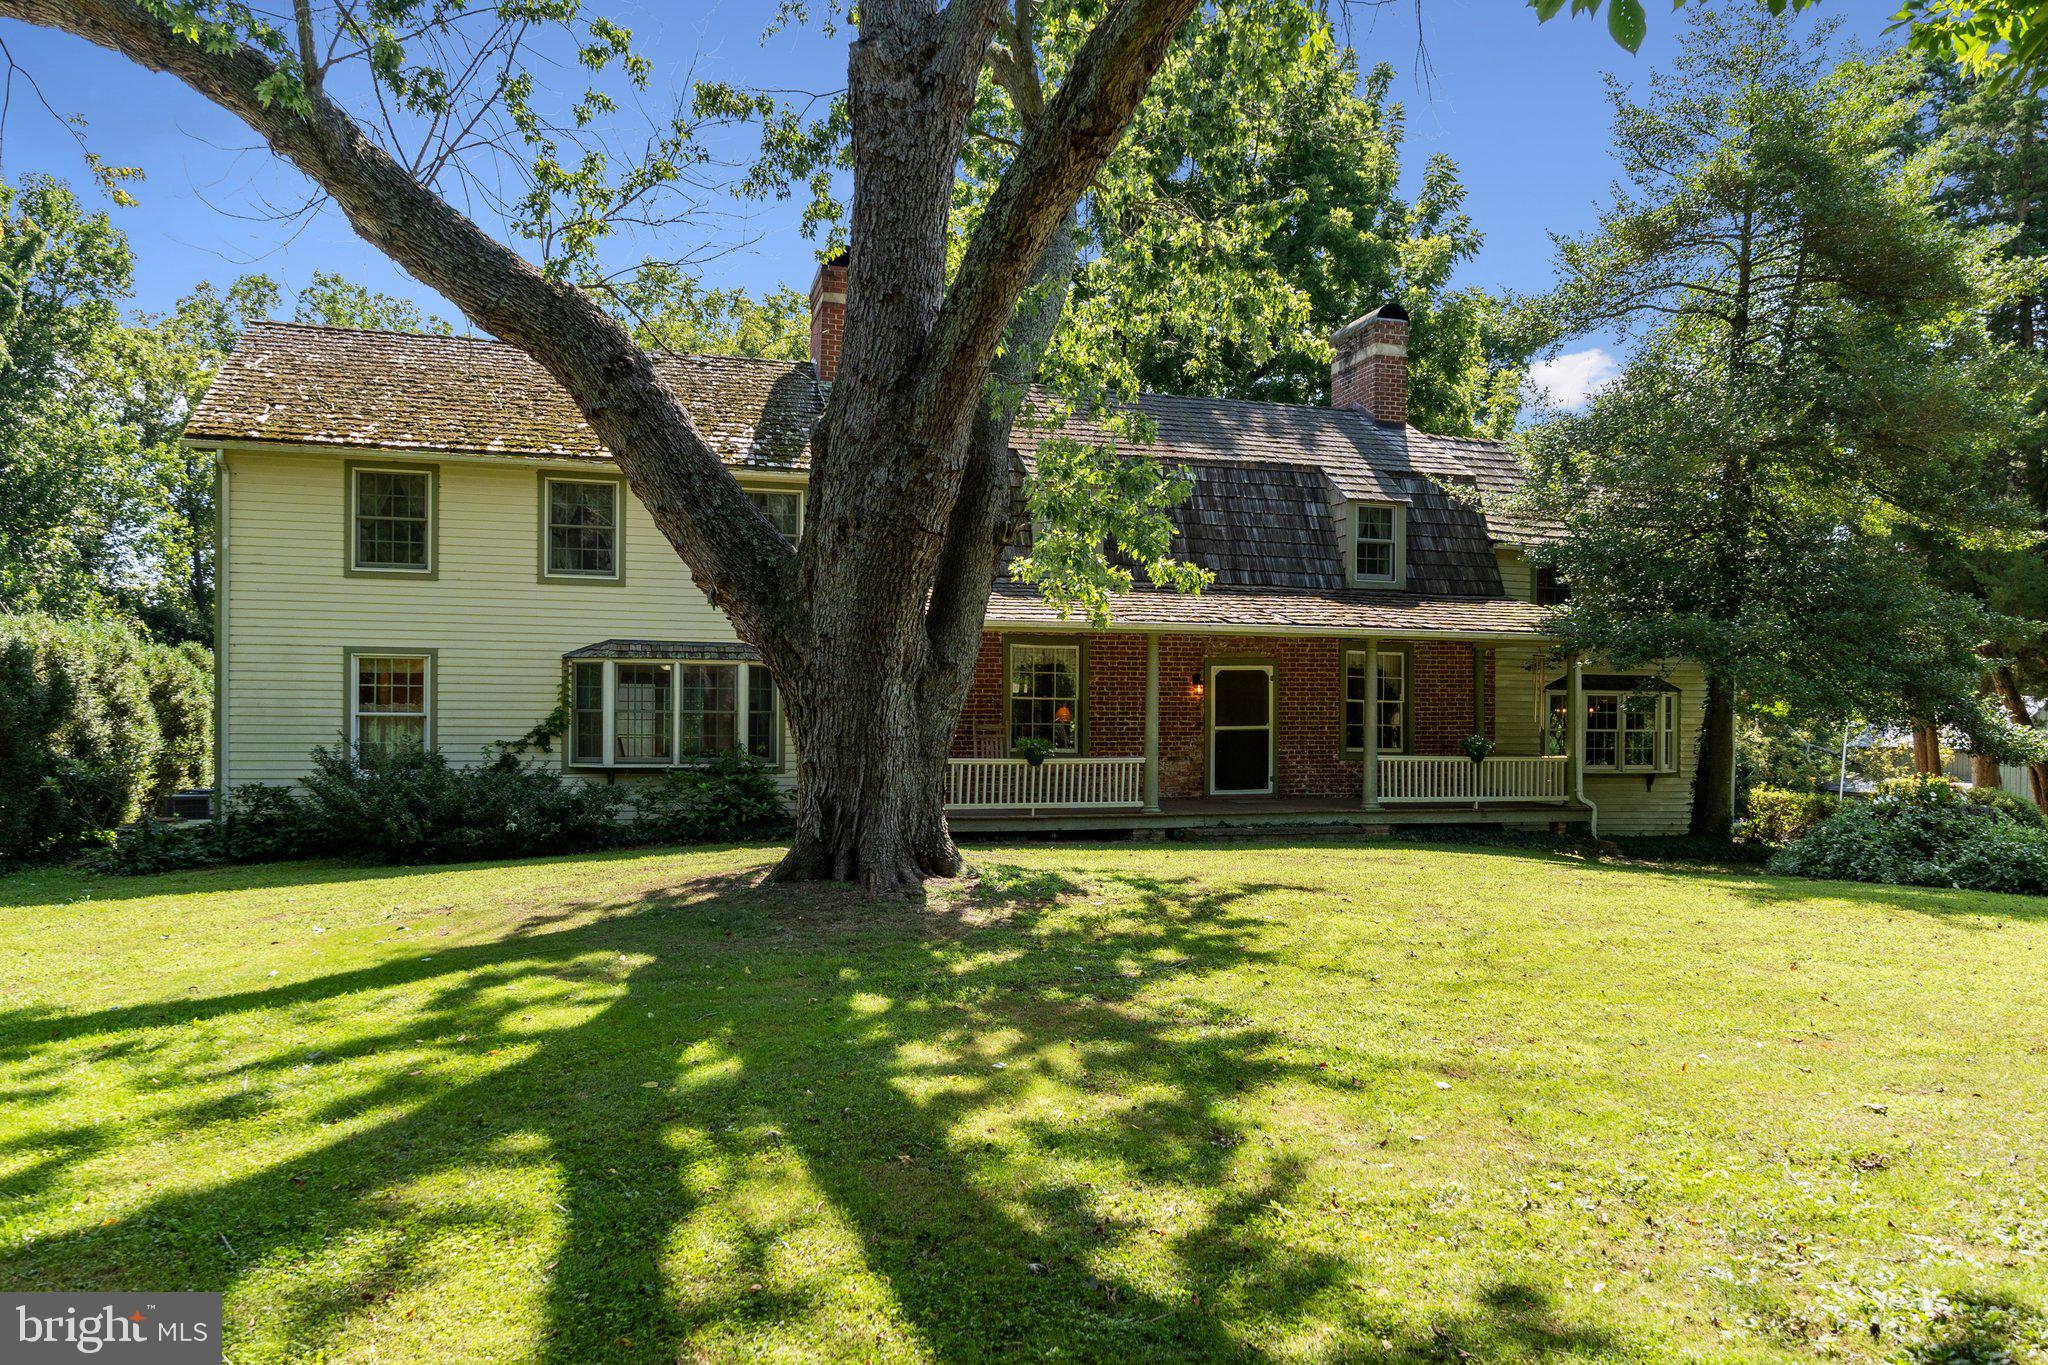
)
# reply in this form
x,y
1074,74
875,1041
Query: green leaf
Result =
x,y
1627,22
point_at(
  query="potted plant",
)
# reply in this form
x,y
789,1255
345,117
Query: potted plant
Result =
x,y
1034,751
1476,747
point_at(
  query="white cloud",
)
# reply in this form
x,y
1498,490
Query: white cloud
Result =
x,y
1567,381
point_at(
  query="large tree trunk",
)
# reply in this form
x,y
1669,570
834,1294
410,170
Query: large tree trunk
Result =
x,y
870,628
1926,748
1714,773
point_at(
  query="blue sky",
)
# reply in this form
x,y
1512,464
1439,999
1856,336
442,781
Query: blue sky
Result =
x,y
1519,106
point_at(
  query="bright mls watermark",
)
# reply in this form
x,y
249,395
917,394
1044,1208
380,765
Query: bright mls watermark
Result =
x,y
163,1329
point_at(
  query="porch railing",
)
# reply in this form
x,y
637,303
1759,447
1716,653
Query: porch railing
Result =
x,y
1425,779
1011,783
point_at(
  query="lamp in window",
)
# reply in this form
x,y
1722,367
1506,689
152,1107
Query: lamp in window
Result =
x,y
1063,714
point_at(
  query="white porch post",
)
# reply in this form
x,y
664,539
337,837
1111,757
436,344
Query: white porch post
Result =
x,y
1371,764
1151,724
1575,728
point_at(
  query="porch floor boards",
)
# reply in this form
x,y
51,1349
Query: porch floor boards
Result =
x,y
1250,812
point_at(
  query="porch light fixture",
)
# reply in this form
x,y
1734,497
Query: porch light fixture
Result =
x,y
1195,685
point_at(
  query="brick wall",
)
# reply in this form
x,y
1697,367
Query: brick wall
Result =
x,y
828,316
1369,368
1309,682
1443,697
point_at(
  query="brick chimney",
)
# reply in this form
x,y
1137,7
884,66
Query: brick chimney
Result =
x,y
828,316
1369,364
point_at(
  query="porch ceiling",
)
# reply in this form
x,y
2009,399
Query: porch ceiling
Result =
x,y
1336,611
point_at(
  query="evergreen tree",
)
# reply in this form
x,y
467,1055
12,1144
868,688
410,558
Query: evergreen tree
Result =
x,y
1815,391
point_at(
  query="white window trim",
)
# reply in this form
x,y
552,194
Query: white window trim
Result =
x,y
1400,543
1398,659
355,693
1080,690
354,505
1665,731
547,527
1272,728
742,731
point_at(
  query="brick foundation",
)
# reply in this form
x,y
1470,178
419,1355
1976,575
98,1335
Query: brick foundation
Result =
x,y
1310,717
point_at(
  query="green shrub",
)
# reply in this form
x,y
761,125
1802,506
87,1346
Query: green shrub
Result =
x,y
731,797
1922,832
1781,817
95,724
1998,798
415,807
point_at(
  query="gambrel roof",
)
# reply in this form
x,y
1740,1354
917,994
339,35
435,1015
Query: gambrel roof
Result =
x,y
1270,479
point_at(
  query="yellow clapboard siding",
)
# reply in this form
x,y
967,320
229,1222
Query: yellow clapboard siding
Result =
x,y
498,631
1627,804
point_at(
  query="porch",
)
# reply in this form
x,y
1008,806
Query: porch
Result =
x,y
1171,731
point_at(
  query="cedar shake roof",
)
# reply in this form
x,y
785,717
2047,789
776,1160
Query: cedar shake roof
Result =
x,y
1270,478
1259,525
1329,611
336,386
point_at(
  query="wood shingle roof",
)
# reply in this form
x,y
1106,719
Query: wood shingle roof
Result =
x,y
1269,477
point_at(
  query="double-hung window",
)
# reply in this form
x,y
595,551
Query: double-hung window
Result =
x,y
1045,695
1391,710
637,713
391,520
390,703
782,506
1376,544
580,528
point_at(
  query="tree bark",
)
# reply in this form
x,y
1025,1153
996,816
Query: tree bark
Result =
x,y
2006,684
871,626
1926,748
1714,771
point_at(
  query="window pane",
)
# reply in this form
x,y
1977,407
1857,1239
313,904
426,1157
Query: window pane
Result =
x,y
583,530
391,704
1243,697
1375,543
587,705
1045,694
762,732
1393,716
710,696
1603,722
641,702
783,508
391,519
1354,703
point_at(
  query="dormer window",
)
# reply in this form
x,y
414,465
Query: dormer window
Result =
x,y
1376,543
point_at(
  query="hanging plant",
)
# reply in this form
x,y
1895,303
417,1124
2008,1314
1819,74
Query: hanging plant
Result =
x,y
1476,747
1034,750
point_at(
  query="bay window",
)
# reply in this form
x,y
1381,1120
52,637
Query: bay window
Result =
x,y
641,713
1629,728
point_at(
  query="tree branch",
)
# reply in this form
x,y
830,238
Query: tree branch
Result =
x,y
1059,160
733,552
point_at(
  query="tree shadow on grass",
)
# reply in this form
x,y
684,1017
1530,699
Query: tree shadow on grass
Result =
x,y
968,1089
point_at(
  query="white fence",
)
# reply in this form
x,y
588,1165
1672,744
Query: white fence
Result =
x,y
1456,778
1011,783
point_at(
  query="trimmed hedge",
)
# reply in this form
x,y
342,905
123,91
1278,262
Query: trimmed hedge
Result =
x,y
95,724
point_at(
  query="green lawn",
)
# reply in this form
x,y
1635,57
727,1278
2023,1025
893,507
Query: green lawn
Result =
x,y
1116,1102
